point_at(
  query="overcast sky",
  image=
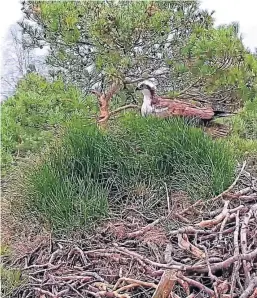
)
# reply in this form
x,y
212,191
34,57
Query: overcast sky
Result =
x,y
242,11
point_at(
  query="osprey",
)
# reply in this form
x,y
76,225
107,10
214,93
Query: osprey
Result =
x,y
165,107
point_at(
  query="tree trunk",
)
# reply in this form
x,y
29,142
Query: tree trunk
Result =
x,y
104,102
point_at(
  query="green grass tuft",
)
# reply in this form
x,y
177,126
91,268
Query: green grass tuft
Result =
x,y
92,169
10,280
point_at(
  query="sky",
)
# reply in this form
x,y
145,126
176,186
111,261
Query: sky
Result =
x,y
242,11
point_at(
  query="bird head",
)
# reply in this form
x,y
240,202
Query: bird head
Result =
x,y
147,88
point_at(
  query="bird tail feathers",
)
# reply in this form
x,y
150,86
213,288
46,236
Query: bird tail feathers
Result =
x,y
222,114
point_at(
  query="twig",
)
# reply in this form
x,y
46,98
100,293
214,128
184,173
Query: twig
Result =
x,y
243,240
52,267
168,197
232,185
146,260
95,275
75,290
59,294
243,191
211,275
254,294
251,287
197,284
123,108
195,268
73,277
184,243
41,291
53,256
92,293
223,225
188,230
133,281
197,203
144,229
225,264
180,217
192,296
236,253
79,250
217,219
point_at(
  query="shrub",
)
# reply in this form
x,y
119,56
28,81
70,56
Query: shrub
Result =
x,y
245,123
93,168
31,117
243,138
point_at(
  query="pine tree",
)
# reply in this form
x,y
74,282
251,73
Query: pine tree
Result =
x,y
109,45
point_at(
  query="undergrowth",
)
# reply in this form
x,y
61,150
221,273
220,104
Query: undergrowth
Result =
x,y
10,278
245,123
243,138
94,169
33,116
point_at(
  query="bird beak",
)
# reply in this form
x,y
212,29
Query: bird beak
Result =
x,y
137,88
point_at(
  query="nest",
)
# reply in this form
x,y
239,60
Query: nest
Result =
x,y
208,249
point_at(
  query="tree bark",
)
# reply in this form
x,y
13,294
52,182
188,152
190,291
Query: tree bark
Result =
x,y
166,284
104,99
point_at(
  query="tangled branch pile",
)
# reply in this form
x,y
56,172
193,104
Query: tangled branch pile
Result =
x,y
208,249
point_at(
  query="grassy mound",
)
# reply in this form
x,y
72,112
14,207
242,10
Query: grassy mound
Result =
x,y
137,159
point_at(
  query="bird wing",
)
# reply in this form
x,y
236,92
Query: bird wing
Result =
x,y
164,108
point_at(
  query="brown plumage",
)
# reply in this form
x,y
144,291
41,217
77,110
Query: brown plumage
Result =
x,y
165,107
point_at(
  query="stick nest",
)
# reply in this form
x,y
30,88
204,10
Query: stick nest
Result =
x,y
208,249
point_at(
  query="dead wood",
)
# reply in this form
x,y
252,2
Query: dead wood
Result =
x,y
197,284
251,288
235,272
123,108
103,99
217,256
184,243
243,239
212,222
254,294
144,229
166,284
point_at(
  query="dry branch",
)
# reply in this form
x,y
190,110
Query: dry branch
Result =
x,y
196,204
184,243
218,256
254,294
103,99
144,229
212,222
250,289
243,240
123,108
236,253
197,284
166,284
